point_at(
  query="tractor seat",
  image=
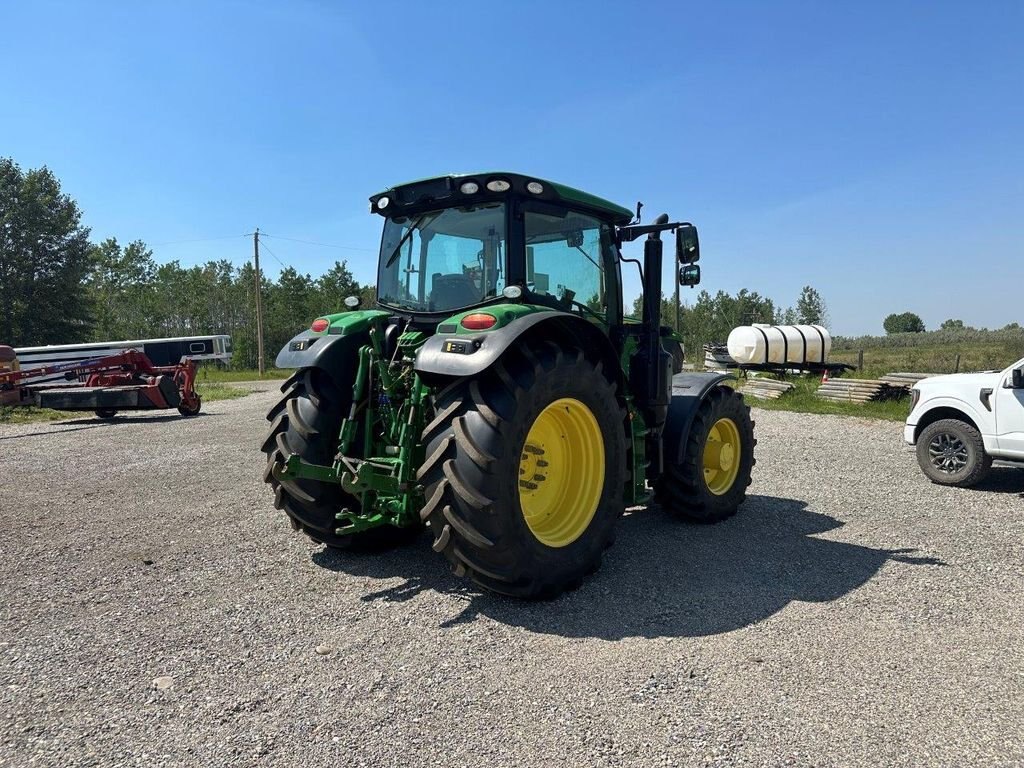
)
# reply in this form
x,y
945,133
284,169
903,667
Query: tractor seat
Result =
x,y
452,291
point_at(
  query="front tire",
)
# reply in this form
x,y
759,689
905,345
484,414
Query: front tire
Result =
x,y
711,481
952,452
106,413
524,471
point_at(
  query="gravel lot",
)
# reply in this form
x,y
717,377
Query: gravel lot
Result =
x,y
156,610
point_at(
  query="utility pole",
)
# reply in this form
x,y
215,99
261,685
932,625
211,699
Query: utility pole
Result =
x,y
259,302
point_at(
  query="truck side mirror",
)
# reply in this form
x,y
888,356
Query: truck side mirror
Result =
x,y
1017,378
689,274
687,244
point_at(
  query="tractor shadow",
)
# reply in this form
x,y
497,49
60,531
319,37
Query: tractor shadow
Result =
x,y
663,578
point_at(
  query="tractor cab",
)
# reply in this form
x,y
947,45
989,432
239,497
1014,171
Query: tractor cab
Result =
x,y
459,242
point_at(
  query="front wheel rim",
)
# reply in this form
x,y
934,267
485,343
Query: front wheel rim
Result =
x,y
561,472
948,453
723,449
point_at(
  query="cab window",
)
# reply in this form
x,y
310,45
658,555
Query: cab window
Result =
x,y
567,254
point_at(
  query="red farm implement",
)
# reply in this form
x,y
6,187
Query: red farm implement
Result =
x,y
127,381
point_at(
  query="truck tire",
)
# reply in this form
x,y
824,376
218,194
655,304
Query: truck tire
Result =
x,y
306,421
524,471
106,413
711,482
952,452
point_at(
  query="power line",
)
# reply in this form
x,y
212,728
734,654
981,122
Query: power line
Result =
x,y
322,245
267,249
200,240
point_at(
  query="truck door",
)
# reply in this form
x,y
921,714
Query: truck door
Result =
x,y
1010,415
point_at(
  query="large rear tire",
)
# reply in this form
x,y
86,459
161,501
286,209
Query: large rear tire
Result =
x,y
711,482
524,471
307,421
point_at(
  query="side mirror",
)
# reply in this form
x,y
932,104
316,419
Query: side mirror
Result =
x,y
689,274
687,244
1017,378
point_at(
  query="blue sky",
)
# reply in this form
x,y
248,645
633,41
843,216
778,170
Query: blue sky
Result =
x,y
872,150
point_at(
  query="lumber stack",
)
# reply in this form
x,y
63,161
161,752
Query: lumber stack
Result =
x,y
765,389
857,390
904,380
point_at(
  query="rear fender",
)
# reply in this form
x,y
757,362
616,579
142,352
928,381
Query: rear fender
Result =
x,y
334,354
334,347
688,392
447,356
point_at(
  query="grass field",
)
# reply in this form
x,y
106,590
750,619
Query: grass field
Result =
x,y
934,352
219,375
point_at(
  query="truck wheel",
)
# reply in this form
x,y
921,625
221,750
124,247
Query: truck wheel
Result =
x,y
711,482
951,452
306,421
524,471
106,413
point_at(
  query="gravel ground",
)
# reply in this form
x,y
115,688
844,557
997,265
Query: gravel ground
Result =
x,y
156,610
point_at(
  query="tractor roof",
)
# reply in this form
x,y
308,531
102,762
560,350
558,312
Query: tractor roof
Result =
x,y
442,189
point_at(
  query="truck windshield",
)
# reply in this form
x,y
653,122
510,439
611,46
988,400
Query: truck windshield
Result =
x,y
443,260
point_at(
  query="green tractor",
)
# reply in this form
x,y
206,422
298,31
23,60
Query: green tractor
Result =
x,y
497,393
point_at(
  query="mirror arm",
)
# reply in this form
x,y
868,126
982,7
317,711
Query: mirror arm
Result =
x,y
631,232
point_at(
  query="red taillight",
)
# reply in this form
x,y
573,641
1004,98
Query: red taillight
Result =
x,y
319,325
479,321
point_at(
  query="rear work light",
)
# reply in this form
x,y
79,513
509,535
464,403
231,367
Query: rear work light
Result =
x,y
479,321
319,325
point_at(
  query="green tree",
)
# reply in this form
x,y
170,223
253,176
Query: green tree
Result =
x,y
120,287
668,310
907,322
810,307
334,286
44,258
787,316
368,295
952,325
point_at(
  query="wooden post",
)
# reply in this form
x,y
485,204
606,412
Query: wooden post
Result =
x,y
957,369
259,303
860,360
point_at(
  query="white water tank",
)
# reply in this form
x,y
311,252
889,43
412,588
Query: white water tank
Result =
x,y
779,344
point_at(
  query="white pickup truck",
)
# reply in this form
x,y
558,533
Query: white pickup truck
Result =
x,y
963,421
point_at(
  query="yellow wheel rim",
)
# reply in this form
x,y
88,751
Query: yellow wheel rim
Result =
x,y
561,472
722,452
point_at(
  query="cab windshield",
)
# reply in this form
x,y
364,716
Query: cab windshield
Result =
x,y
443,260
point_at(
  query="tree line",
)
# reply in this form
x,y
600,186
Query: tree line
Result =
x,y
58,287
